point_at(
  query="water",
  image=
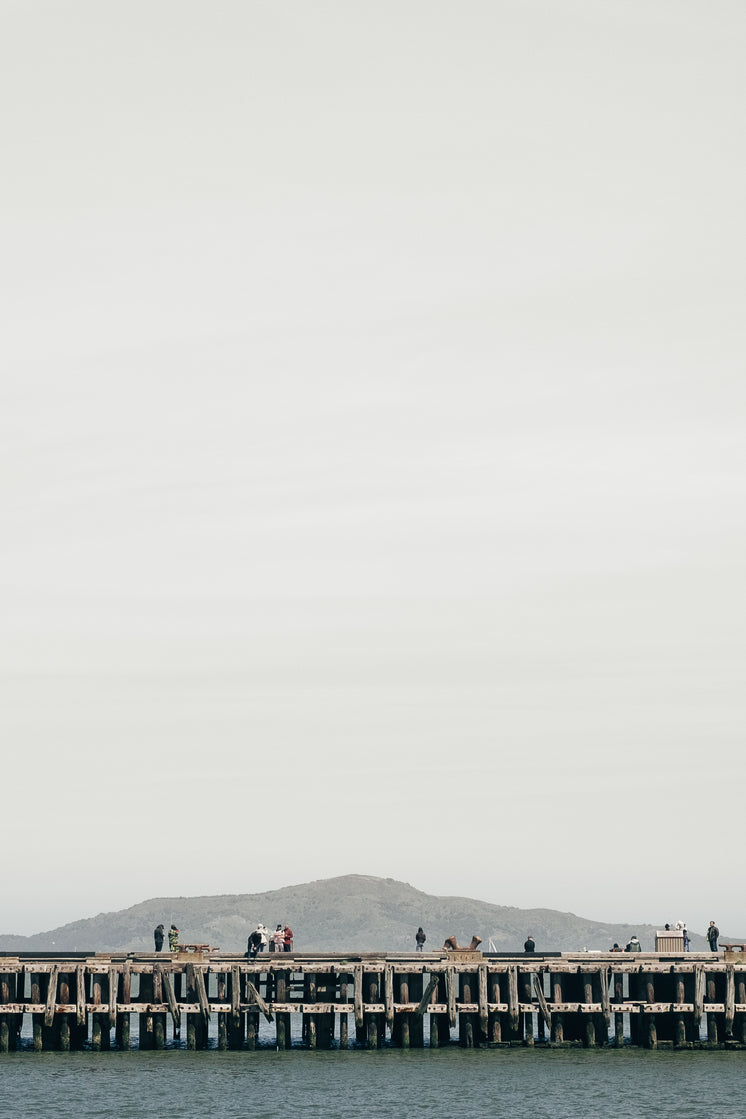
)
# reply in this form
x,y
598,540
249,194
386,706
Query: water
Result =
x,y
359,1084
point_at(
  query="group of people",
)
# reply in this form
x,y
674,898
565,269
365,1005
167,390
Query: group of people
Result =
x,y
281,940
712,934
159,934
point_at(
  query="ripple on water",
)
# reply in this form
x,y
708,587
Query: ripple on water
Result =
x,y
448,1084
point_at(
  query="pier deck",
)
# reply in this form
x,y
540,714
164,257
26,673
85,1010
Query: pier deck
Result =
x,y
213,999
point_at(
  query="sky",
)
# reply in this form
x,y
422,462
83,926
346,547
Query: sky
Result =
x,y
372,452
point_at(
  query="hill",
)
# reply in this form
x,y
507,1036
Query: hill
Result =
x,y
355,912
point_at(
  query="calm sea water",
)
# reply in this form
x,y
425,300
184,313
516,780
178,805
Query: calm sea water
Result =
x,y
359,1084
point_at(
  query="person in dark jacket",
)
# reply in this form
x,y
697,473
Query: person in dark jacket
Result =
x,y
254,944
529,944
712,936
158,934
420,938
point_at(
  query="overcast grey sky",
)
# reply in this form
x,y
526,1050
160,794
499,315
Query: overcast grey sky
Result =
x,y
373,453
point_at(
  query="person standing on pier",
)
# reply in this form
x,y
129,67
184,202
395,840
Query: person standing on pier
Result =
x,y
255,943
712,936
278,940
420,938
288,938
173,939
529,944
158,934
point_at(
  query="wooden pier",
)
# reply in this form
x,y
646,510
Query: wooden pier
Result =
x,y
212,1000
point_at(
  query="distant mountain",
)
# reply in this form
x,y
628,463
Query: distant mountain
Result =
x,y
355,912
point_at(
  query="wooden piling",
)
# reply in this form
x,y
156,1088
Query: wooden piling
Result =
x,y
282,1018
146,998
589,1025
495,1016
491,1001
309,1019
122,1029
466,1019
344,1040
712,1018
37,1019
374,1025
740,1022
62,1019
6,979
618,980
235,1019
401,1032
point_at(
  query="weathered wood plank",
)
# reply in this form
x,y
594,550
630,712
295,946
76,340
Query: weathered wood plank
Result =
x,y
388,995
484,1014
730,999
699,993
235,993
80,992
204,1005
451,984
168,991
513,1011
255,997
51,996
113,984
358,997
540,998
425,1000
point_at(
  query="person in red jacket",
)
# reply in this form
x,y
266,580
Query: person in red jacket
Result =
x,y
288,939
